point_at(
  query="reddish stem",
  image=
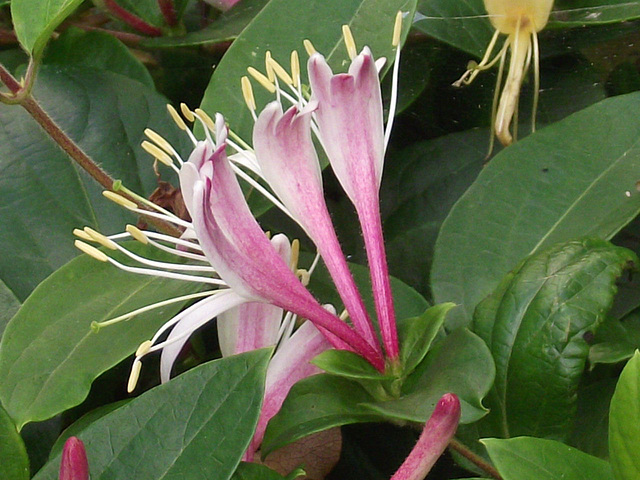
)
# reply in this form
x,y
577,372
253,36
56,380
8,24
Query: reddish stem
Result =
x,y
168,12
132,20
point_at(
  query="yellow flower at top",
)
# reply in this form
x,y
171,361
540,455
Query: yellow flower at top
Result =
x,y
520,20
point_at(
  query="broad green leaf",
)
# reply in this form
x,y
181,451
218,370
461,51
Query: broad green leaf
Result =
x,y
196,426
281,27
96,50
255,471
416,335
535,325
624,423
226,27
35,20
9,305
14,462
528,458
44,195
347,364
315,404
460,364
593,12
616,340
574,178
49,354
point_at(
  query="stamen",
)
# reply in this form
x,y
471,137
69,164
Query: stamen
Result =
x,y
304,276
349,42
134,375
344,315
161,273
97,325
148,203
308,46
397,30
91,251
267,65
119,199
295,68
262,80
100,238
206,119
156,152
247,93
137,234
281,72
163,144
82,234
188,114
144,348
176,118
295,254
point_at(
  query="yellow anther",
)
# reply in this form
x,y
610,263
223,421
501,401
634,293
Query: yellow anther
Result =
x,y
159,140
134,375
261,79
176,117
349,42
397,30
100,238
295,67
136,233
267,65
247,93
281,72
295,254
208,121
308,46
91,251
119,199
156,152
304,276
188,114
144,348
344,315
82,234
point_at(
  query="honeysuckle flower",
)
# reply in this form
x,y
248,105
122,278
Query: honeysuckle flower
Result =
x,y
74,464
520,20
435,436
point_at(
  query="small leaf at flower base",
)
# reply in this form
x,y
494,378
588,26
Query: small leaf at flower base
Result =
x,y
624,423
535,325
315,404
347,364
416,335
49,354
460,364
580,180
35,20
14,462
196,426
529,458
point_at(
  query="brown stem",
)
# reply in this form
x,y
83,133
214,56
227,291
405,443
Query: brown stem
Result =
x,y
127,38
132,20
474,458
168,12
9,80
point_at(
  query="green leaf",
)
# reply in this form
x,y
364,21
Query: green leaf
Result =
x,y
347,364
96,50
528,458
580,180
535,325
44,195
280,28
35,20
616,340
460,364
9,305
198,425
593,12
315,404
14,462
624,423
416,335
226,27
49,355
255,471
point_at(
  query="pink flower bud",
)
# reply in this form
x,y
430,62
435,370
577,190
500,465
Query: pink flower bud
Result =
x,y
74,465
